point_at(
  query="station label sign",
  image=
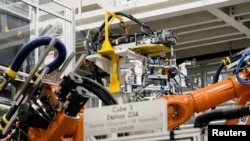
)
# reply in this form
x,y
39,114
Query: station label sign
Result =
x,y
127,117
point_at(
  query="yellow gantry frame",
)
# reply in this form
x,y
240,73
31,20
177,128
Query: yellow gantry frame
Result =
x,y
108,51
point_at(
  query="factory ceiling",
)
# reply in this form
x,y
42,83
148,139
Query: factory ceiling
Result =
x,y
207,29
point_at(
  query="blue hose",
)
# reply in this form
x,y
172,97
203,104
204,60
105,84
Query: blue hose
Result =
x,y
238,67
30,46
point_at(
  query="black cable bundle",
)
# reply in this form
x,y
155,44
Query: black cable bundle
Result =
x,y
99,90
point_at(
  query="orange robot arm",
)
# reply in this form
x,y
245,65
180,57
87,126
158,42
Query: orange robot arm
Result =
x,y
182,107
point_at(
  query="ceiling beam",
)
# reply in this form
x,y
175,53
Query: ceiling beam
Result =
x,y
210,43
160,12
209,52
231,21
208,38
244,18
202,29
239,10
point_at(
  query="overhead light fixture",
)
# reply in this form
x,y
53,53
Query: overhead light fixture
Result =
x,y
117,5
126,4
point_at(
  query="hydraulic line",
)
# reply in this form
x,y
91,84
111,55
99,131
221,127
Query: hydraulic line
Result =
x,y
218,114
217,73
13,69
29,47
125,15
135,20
227,61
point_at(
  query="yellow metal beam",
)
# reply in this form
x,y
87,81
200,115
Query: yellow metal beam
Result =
x,y
108,51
